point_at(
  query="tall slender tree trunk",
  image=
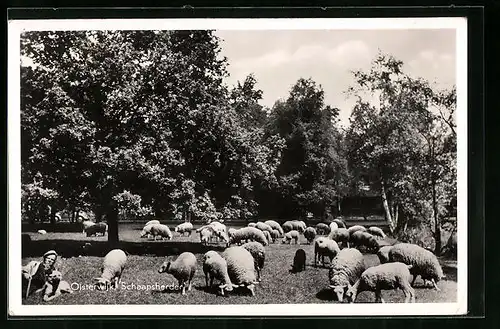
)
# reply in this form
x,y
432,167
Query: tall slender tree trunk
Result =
x,y
52,215
387,210
112,219
437,224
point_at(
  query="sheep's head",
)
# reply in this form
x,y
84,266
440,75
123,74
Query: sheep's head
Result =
x,y
54,277
339,292
165,267
102,283
350,294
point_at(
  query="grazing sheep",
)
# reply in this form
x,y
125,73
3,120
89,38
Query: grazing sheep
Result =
x,y
275,234
215,267
206,234
341,236
299,226
339,222
219,232
99,228
363,239
86,224
55,286
42,232
240,267
184,228
388,276
383,254
162,231
287,226
151,222
302,225
310,234
356,228
146,231
376,232
183,269
291,235
259,255
424,262
231,231
252,224
325,247
333,226
268,236
263,227
250,234
299,261
322,229
345,270
275,226
111,270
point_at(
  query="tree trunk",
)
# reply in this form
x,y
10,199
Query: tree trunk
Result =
x,y
437,224
387,210
112,219
52,216
73,214
98,214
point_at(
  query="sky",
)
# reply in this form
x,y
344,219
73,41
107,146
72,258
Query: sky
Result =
x,y
278,58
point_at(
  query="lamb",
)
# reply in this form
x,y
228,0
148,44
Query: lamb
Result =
x,y
299,261
248,233
287,226
259,255
275,226
376,232
86,224
325,247
55,286
341,236
215,267
184,228
112,268
252,224
355,228
95,229
291,235
385,276
333,226
42,232
263,227
383,254
363,239
162,231
322,229
275,234
345,270
424,262
310,234
240,267
183,269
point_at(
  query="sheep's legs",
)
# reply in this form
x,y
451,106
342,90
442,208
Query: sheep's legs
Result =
x,y
413,281
435,285
251,288
378,297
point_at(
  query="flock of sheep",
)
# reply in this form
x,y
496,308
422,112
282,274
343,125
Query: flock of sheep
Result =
x,y
241,263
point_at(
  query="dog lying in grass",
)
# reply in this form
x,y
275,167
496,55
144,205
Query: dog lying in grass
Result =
x,y
55,286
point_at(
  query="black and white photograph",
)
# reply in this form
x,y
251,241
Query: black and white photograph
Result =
x,y
244,166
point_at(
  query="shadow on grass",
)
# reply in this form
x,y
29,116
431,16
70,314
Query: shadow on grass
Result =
x,y
75,248
326,294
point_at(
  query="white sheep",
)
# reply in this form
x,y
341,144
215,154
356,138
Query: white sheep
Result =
x,y
291,235
98,228
376,231
333,226
42,232
275,226
183,269
206,234
154,221
241,267
268,236
341,236
248,234
252,224
339,222
310,234
86,224
325,247
184,228
363,239
112,268
322,228
389,276
424,262
146,231
263,227
287,226
299,225
231,231
259,255
215,267
162,231
345,270
218,232
275,234
356,228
